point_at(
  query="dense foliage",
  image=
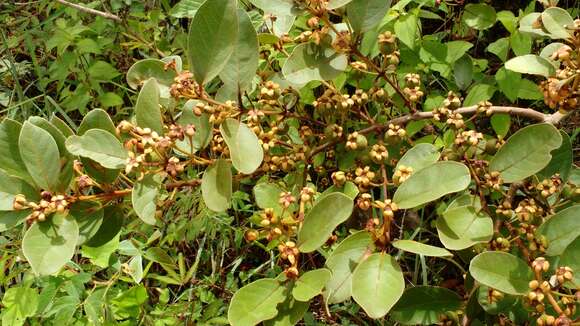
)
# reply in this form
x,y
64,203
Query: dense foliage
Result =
x,y
289,161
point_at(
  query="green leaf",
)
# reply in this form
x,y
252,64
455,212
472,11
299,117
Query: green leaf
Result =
x,y
107,231
255,302
508,82
508,20
500,122
424,305
110,99
310,62
241,67
478,93
349,188
203,129
528,25
19,302
562,160
145,69
463,226
212,38
40,154
159,255
569,257
66,159
558,22
342,262
479,16
500,48
407,28
12,186
186,8
333,4
267,195
322,219
278,7
432,182
89,216
97,119
521,43
526,152
144,198
531,64
377,284
10,219
49,245
147,111
561,229
100,146
216,186
245,149
310,284
421,248
289,313
463,72
101,255
136,268
101,70
10,160
419,156
502,271
363,15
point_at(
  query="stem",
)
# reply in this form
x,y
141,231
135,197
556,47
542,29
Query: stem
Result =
x,y
90,10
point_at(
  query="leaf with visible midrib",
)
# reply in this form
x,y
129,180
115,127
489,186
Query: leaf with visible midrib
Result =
x,y
561,229
502,271
241,67
144,198
421,248
310,284
431,183
212,38
40,154
342,262
255,302
531,64
100,146
216,186
49,245
377,284
245,149
147,111
419,157
526,152
310,62
322,219
10,159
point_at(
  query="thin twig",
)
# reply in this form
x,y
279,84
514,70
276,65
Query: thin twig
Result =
x,y
90,10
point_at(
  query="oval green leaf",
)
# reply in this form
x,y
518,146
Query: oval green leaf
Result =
x,y
322,219
147,111
245,149
342,263
241,67
310,284
419,157
145,69
310,62
462,227
502,271
216,186
562,160
144,198
10,160
100,146
212,38
561,229
479,16
421,248
432,182
97,119
558,22
40,154
531,64
377,284
49,245
256,302
526,152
